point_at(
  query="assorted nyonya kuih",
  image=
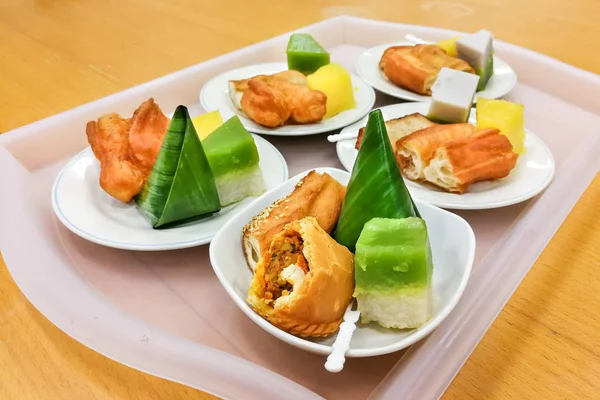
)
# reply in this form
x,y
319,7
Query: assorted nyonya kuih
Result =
x,y
324,243
310,90
173,173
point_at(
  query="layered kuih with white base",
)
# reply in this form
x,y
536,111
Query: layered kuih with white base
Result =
x,y
477,50
393,273
234,161
452,96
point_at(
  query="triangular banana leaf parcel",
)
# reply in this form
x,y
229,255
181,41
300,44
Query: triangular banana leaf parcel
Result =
x,y
376,187
181,186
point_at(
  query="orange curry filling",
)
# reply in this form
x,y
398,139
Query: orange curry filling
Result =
x,y
286,250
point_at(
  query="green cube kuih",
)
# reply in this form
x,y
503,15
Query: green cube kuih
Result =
x,y
234,161
376,187
393,272
181,186
305,54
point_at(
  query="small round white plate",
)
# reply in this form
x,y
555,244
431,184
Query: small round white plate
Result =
x,y
84,208
452,246
532,174
502,81
215,96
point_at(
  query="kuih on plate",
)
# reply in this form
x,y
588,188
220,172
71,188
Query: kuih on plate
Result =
x,y
310,90
303,275
532,173
453,156
416,68
174,174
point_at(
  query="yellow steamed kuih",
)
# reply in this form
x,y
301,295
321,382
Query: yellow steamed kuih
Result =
x,y
505,116
449,45
333,80
205,124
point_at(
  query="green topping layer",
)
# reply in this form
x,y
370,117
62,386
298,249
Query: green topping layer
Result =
x,y
485,74
392,255
230,148
305,54
234,160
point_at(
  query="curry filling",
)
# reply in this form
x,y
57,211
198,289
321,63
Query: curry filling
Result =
x,y
286,268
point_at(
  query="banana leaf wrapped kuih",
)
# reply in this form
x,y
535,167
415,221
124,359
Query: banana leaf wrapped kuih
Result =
x,y
376,187
181,186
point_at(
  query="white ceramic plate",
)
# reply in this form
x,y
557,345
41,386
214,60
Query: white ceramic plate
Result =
x,y
215,96
453,248
532,174
367,66
84,208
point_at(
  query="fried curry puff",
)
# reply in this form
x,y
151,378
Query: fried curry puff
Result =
x,y
316,195
304,281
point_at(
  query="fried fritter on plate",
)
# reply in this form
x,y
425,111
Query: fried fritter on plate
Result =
x,y
416,68
273,100
127,148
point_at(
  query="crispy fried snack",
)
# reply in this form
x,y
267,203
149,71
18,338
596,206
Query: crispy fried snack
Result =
x,y
415,151
316,195
304,282
487,155
416,68
273,100
454,156
127,148
148,127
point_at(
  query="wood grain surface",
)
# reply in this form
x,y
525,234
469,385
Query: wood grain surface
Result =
x,y
55,55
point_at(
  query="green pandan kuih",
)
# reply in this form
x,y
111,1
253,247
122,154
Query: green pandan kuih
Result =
x,y
376,187
305,54
393,272
181,186
234,161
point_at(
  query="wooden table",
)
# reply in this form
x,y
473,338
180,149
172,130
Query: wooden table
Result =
x,y
55,55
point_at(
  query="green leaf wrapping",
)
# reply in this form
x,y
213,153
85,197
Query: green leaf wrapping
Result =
x,y
376,187
181,186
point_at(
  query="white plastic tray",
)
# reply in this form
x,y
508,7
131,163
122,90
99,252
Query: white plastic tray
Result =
x,y
166,314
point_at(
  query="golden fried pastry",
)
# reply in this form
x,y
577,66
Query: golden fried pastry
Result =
x,y
304,282
127,148
415,151
485,155
148,127
316,195
108,138
273,100
416,68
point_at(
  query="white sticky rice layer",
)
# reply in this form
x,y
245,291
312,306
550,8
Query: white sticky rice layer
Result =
x,y
401,310
238,185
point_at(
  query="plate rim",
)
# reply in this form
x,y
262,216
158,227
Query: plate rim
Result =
x,y
481,206
133,246
415,97
297,132
322,349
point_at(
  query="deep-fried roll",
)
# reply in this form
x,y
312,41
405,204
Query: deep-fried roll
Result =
x,y
415,151
416,68
486,155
